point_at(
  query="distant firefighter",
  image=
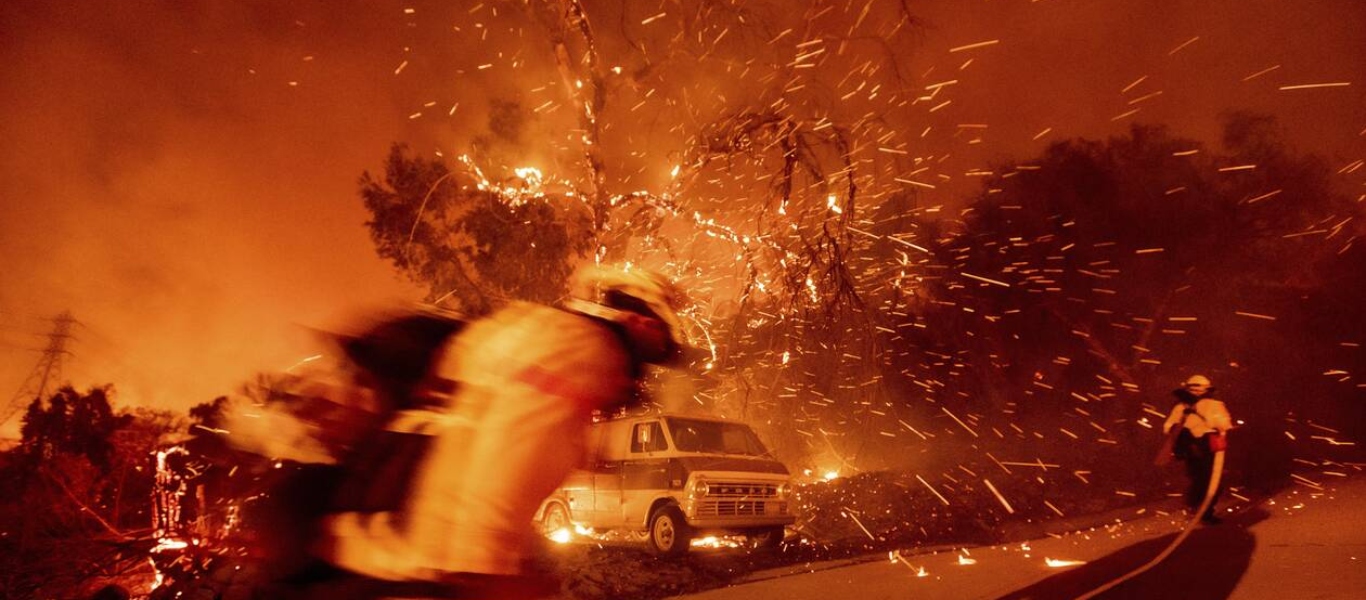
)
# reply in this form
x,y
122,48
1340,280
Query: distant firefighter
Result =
x,y
1204,423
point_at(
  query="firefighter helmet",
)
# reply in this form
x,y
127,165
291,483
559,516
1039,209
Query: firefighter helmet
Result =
x,y
643,304
1197,384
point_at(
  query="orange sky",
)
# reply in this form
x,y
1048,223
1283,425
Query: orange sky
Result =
x,y
182,175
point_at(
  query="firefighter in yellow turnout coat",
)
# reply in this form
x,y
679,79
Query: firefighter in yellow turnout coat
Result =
x,y
527,379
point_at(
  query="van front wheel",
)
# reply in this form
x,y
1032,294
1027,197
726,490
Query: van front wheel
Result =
x,y
669,533
767,539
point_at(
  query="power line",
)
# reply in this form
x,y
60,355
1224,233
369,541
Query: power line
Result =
x,y
47,373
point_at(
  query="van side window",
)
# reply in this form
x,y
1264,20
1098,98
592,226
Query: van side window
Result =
x,y
648,437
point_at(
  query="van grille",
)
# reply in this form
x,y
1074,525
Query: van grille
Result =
x,y
740,499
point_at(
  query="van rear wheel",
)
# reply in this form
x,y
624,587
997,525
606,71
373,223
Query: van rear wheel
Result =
x,y
554,519
669,533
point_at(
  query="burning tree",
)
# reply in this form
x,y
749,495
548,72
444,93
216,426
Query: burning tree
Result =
x,y
752,179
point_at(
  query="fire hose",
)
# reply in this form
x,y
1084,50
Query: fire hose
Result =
x,y
1190,526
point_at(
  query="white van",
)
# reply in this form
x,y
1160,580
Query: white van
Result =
x,y
671,477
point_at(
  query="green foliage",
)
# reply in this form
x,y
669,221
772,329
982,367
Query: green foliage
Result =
x,y
209,415
408,226
1128,261
468,246
1225,215
78,490
71,423
523,251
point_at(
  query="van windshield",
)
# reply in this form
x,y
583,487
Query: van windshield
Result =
x,y
692,435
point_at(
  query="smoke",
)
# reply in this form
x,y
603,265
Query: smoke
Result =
x,y
181,175
170,187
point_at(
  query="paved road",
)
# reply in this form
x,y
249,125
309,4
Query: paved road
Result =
x,y
1301,544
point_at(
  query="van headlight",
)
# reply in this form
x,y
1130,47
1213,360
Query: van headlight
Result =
x,y
700,488
783,490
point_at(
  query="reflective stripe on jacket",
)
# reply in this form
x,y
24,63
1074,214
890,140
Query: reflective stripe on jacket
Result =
x,y
1209,415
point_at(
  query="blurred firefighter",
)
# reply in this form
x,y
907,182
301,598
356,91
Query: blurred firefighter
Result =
x,y
1204,423
507,403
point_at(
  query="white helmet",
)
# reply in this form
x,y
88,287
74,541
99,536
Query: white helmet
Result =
x,y
1197,384
643,303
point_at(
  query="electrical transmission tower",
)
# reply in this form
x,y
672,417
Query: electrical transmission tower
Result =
x,y
47,374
